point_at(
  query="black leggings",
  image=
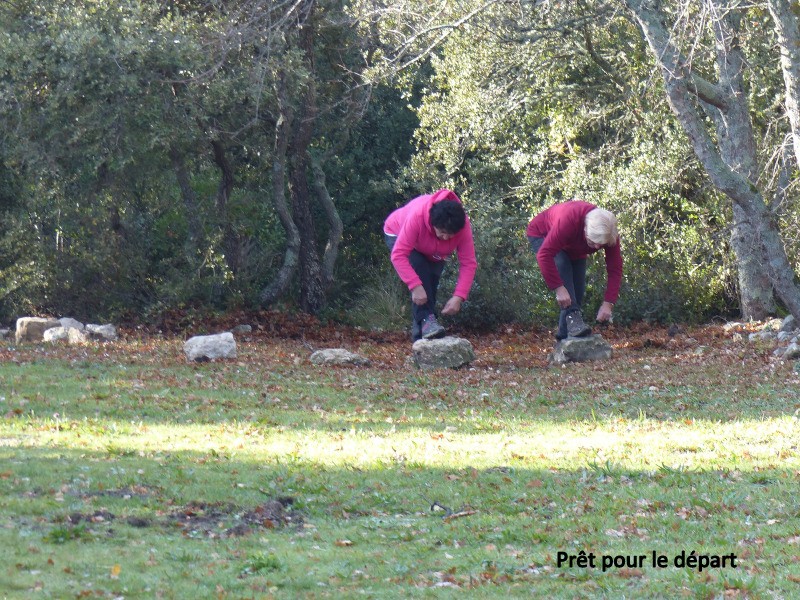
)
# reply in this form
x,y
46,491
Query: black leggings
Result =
x,y
429,272
573,274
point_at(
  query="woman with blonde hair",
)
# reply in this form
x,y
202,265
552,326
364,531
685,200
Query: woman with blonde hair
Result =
x,y
562,237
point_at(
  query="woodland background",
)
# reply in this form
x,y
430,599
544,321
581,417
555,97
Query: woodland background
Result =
x,y
208,156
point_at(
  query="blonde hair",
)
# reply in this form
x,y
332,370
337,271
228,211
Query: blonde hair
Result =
x,y
601,227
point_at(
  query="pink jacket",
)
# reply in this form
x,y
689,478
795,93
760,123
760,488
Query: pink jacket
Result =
x,y
411,224
562,227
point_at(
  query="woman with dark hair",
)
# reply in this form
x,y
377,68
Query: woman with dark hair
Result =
x,y
421,235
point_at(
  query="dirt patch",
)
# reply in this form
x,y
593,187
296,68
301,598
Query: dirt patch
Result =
x,y
201,519
224,520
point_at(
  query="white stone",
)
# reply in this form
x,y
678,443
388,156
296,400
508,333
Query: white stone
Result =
x,y
102,332
337,356
592,347
209,347
67,322
445,353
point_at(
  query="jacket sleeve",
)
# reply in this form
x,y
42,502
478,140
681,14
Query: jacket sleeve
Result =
x,y
403,246
614,270
546,256
467,264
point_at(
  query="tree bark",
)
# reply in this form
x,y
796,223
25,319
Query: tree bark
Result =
x,y
731,178
737,147
195,227
335,227
787,26
312,289
230,242
278,286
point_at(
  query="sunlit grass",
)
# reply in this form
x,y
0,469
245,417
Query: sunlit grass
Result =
x,y
449,442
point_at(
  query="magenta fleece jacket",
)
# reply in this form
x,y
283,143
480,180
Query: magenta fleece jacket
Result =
x,y
411,224
562,227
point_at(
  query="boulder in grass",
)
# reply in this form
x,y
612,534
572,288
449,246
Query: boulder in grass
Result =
x,y
69,322
56,334
338,357
31,329
449,352
592,347
792,352
201,348
105,333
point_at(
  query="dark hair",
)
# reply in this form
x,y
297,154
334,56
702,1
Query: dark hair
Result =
x,y
448,215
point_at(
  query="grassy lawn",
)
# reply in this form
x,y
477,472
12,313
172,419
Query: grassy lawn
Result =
x,y
126,472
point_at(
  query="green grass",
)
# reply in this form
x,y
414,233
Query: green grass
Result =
x,y
125,472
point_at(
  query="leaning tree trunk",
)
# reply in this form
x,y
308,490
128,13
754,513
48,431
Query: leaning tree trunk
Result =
x,y
756,297
682,86
278,286
737,148
787,26
335,226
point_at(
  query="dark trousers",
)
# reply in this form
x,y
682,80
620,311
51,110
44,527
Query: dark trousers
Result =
x,y
573,274
429,272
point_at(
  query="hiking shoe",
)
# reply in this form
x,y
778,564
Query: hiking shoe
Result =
x,y
575,325
431,328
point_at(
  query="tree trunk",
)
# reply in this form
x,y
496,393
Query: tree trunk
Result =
x,y
195,227
732,179
278,286
737,148
784,13
312,289
230,242
335,227
755,287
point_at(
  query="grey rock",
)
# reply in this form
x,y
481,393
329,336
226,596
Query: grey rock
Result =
x,y
68,322
592,347
241,329
209,347
339,357
105,332
31,329
449,352
792,352
789,323
56,334
763,335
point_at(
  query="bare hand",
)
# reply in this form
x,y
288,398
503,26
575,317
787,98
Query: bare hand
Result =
x,y
605,312
562,297
418,295
453,306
